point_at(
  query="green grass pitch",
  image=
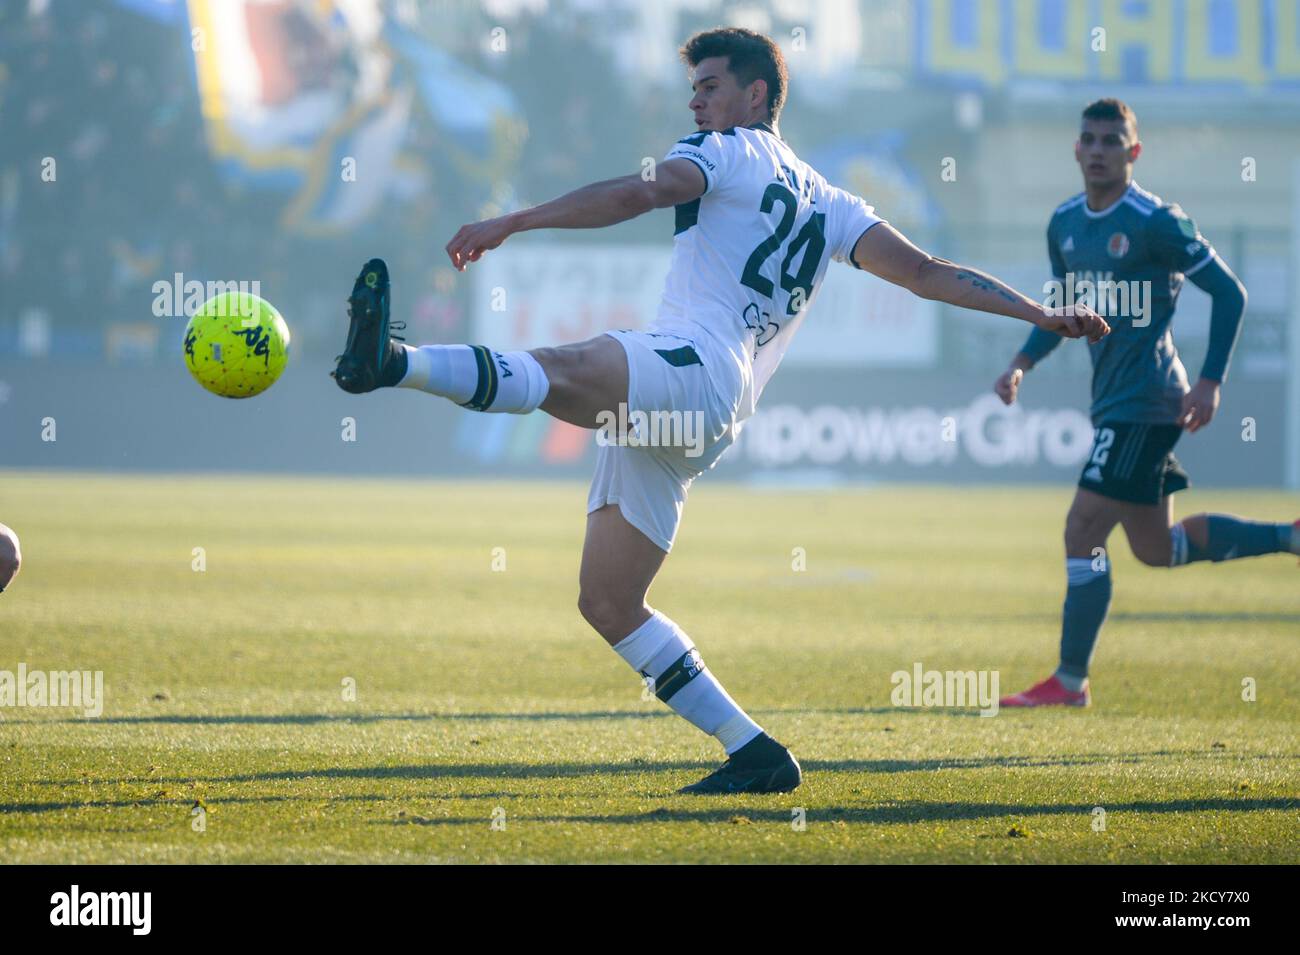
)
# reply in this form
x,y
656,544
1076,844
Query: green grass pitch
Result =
x,y
491,724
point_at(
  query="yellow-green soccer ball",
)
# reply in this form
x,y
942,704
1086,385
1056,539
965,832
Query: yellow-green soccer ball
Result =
x,y
236,345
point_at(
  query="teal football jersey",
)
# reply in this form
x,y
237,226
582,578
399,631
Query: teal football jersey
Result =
x,y
1128,261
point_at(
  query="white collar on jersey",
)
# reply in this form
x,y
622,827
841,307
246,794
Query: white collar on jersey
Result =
x,y
1112,207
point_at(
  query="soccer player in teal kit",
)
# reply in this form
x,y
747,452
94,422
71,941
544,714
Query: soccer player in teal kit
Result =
x,y
1123,246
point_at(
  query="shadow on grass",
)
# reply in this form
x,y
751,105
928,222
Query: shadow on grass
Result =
x,y
885,814
438,771
507,770
309,719
185,802
740,809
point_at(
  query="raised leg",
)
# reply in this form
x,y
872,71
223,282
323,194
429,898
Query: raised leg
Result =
x,y
585,378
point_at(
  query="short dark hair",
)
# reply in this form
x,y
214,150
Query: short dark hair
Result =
x,y
750,56
1112,109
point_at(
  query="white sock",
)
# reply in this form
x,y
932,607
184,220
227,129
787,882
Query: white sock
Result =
x,y
1071,682
447,370
1177,545
659,649
476,377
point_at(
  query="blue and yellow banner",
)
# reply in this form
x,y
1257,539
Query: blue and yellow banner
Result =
x,y
1237,43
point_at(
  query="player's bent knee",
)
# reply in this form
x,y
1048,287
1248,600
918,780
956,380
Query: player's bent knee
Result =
x,y
608,617
595,610
1150,554
1081,535
1085,530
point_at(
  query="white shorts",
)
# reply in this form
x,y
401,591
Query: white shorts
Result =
x,y
649,480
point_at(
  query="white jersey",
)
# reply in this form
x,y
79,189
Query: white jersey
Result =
x,y
749,255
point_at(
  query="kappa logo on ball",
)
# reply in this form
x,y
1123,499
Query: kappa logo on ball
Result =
x,y
236,345
1118,245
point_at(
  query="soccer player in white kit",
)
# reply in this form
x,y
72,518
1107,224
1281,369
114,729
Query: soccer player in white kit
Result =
x,y
755,228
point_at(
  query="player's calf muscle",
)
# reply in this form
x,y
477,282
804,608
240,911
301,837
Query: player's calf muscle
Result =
x,y
1154,552
1147,528
612,619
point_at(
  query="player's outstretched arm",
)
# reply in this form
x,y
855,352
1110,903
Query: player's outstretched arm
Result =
x,y
591,207
885,252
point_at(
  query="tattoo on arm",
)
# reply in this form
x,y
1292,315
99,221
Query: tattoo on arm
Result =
x,y
984,284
